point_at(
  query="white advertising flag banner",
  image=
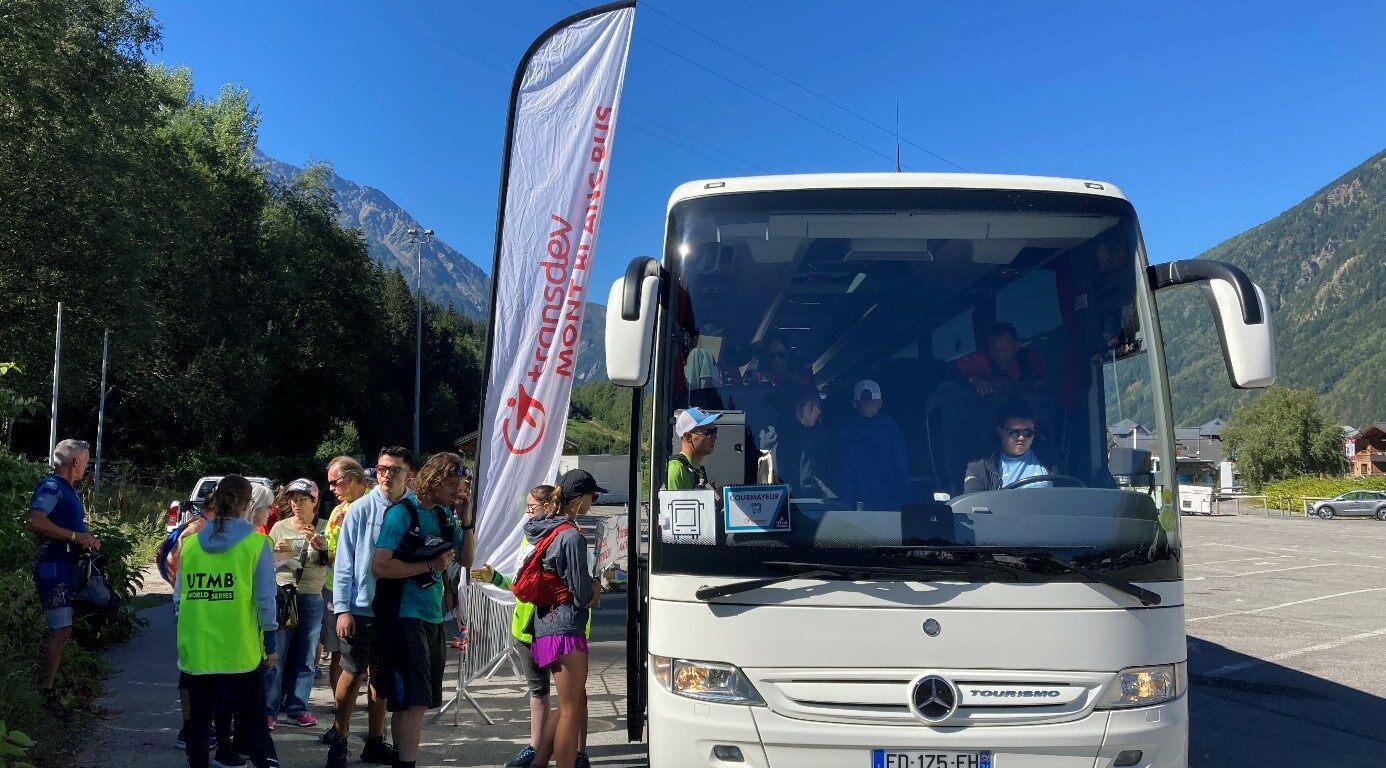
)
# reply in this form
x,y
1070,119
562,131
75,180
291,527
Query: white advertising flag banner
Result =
x,y
562,122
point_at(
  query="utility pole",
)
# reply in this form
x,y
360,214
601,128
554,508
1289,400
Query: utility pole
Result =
x,y
101,410
57,361
418,323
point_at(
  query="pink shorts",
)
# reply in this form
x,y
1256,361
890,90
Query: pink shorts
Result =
x,y
547,650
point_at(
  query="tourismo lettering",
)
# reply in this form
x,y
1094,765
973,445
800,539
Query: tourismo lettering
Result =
x,y
565,268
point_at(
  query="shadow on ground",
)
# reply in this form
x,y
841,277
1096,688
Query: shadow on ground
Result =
x,y
1246,711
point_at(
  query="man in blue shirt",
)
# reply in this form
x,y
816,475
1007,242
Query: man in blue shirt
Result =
x,y
418,541
57,518
352,590
1016,459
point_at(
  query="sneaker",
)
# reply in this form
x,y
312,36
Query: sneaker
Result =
x,y
330,735
269,722
337,751
303,719
178,742
523,759
227,758
581,761
377,752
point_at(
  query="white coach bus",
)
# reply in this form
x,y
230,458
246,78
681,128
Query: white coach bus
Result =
x,y
874,578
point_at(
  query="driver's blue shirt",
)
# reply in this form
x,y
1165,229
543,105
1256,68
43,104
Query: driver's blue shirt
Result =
x,y
1017,468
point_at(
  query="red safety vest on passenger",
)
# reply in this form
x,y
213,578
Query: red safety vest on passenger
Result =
x,y
537,586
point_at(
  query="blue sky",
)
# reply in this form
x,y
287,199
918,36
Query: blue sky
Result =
x,y
1211,119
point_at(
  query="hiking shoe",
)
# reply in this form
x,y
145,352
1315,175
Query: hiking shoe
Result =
x,y
227,758
581,761
54,705
523,759
331,735
377,752
337,751
303,719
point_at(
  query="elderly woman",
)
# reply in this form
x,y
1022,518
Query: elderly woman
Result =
x,y
300,562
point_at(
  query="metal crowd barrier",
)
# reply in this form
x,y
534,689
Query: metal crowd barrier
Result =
x,y
487,648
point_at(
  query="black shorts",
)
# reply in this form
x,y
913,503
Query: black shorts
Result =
x,y
360,651
536,679
411,665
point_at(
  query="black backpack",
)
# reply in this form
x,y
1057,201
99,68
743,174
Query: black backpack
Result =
x,y
389,593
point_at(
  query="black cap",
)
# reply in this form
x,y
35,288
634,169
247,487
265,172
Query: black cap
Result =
x,y
578,482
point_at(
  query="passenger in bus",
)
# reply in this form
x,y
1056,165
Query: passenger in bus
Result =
x,y
801,446
1015,458
774,365
873,470
697,433
1003,360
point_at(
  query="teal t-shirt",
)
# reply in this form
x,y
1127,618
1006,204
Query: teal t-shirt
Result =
x,y
416,602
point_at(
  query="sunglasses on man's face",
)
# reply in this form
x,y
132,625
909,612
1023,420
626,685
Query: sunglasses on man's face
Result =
x,y
388,471
1016,434
706,432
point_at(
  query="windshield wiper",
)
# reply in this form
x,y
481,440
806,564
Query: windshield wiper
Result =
x,y
1121,585
829,572
737,587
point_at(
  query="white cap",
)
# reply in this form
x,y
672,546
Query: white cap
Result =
x,y
866,389
693,418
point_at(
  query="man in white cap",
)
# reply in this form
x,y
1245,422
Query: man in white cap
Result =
x,y
697,433
873,472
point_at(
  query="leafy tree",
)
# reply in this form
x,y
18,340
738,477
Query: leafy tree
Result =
x,y
343,440
1284,433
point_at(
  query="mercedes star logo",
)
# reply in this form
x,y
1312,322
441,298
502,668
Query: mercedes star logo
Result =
x,y
932,628
934,698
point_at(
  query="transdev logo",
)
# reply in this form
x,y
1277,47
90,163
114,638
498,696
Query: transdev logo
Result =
x,y
523,427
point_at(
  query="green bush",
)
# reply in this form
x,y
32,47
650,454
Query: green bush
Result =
x,y
1289,494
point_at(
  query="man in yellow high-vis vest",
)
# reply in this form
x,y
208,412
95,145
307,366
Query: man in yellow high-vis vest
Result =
x,y
226,623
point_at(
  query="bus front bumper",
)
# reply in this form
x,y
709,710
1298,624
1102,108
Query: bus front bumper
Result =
x,y
686,734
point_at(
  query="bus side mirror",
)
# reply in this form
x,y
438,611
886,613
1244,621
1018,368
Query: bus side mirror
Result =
x,y
630,321
1241,314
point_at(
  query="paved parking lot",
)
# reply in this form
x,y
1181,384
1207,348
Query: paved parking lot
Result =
x,y
1287,634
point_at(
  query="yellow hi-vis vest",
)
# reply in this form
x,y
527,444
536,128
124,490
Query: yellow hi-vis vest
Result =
x,y
218,627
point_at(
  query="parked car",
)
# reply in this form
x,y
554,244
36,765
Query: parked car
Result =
x,y
1352,504
180,510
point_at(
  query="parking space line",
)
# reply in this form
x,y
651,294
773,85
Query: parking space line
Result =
x,y
1284,605
1239,546
1237,560
1274,570
1241,665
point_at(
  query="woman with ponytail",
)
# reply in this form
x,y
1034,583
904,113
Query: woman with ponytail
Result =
x,y
226,624
560,631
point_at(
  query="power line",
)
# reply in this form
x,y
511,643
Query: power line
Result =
x,y
795,83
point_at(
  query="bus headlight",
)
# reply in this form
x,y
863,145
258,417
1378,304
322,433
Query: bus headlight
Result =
x,y
1146,686
705,681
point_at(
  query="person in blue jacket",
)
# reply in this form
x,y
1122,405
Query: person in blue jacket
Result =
x,y
873,472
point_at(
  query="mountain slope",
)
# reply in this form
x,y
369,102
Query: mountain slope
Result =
x,y
1322,265
449,277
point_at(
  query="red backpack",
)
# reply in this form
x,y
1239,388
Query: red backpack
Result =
x,y
536,586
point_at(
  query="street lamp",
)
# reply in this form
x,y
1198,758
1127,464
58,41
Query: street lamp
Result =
x,y
418,322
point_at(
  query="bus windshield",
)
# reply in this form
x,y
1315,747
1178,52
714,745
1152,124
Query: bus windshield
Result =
x,y
843,371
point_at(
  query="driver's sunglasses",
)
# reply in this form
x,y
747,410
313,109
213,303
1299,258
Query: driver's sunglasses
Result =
x,y
1017,434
